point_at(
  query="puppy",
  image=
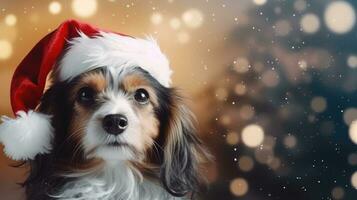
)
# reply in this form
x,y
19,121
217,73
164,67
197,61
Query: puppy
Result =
x,y
118,131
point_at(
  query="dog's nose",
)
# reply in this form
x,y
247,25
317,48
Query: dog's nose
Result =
x,y
115,124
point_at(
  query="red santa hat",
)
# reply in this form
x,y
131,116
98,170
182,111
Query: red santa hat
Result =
x,y
72,49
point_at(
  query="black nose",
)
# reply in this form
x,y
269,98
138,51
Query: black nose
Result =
x,y
115,124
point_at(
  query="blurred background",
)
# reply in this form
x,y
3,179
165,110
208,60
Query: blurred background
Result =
x,y
273,83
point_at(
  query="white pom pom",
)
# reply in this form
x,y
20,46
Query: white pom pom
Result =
x,y
27,135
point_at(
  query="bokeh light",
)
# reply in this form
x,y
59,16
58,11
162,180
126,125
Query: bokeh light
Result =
x,y
252,135
245,163
310,23
240,89
84,8
340,17
259,2
354,180
241,65
270,78
290,141
232,138
10,20
337,193
5,49
318,104
156,18
55,7
353,131
239,187
349,115
193,18
352,61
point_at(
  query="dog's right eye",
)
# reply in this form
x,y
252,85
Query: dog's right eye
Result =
x,y
86,96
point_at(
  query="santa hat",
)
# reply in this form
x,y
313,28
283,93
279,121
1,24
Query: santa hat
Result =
x,y
72,49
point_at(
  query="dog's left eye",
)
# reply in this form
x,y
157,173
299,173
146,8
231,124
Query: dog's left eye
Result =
x,y
86,96
141,96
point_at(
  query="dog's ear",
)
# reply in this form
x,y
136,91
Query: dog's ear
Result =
x,y
183,150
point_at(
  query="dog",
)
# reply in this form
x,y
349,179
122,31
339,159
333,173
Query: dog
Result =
x,y
118,132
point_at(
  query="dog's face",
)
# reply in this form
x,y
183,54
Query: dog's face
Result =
x,y
113,115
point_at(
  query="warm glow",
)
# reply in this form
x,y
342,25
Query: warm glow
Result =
x,y
270,78
10,20
337,193
6,49
340,17
352,61
84,8
353,131
175,23
349,115
55,7
290,141
232,138
259,2
239,187
241,65
318,104
310,23
156,18
193,18
354,180
245,163
252,135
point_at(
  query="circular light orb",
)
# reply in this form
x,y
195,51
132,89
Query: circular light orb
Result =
x,y
175,23
318,104
290,141
340,17
352,61
337,193
353,131
241,65
259,2
5,49
84,8
354,180
349,115
245,163
232,138
239,187
156,18
10,20
310,23
193,18
252,135
55,7
240,89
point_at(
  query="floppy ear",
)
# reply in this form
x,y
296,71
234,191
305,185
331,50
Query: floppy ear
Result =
x,y
183,151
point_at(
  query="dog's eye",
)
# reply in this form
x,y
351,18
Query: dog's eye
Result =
x,y
141,96
86,96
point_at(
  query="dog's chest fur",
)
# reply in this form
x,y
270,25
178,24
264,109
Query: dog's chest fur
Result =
x,y
113,183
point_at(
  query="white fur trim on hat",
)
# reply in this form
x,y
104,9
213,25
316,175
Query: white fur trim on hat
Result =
x,y
114,50
26,136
